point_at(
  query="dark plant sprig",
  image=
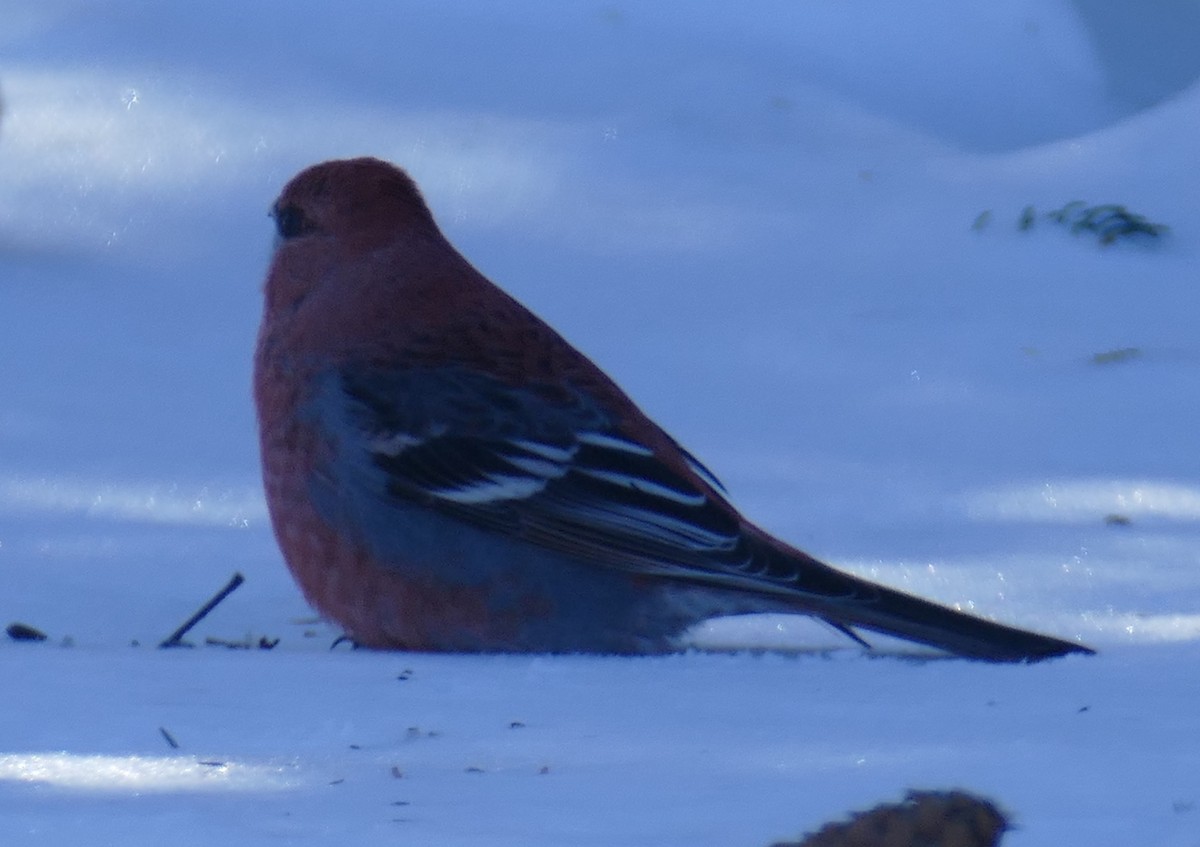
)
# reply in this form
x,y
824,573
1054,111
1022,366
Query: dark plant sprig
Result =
x,y
1108,221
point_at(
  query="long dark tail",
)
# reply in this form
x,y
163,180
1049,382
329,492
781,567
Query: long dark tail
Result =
x,y
850,603
914,619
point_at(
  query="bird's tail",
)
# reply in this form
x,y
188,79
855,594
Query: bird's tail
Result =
x,y
904,616
850,603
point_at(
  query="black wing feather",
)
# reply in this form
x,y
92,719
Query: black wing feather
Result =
x,y
551,467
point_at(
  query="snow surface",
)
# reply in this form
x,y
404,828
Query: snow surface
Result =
x,y
767,223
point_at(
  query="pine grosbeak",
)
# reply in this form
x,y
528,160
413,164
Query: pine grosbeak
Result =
x,y
445,472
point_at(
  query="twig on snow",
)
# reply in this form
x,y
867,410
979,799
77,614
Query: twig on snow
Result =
x,y
175,639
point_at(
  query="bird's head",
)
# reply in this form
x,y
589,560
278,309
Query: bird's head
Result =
x,y
336,216
358,203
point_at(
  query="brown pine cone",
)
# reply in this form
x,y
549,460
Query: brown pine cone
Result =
x,y
924,819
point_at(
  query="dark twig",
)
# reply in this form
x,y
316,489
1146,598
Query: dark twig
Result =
x,y
176,638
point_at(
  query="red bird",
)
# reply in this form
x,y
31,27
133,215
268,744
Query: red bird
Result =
x,y
445,472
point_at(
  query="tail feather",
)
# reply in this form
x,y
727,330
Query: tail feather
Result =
x,y
848,632
904,616
849,603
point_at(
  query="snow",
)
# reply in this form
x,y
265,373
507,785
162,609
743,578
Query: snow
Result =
x,y
768,226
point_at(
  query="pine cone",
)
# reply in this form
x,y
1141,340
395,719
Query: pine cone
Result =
x,y
924,819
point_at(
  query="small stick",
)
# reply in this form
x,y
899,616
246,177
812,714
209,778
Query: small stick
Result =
x,y
176,637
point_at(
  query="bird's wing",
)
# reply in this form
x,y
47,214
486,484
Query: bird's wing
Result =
x,y
550,467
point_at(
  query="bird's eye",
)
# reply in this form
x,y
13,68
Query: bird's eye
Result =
x,y
291,222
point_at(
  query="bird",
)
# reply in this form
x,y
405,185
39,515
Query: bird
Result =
x,y
445,472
